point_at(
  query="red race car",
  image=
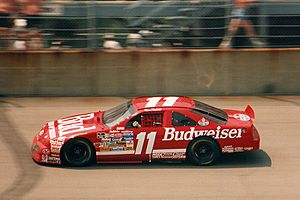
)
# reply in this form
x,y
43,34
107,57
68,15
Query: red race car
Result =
x,y
147,129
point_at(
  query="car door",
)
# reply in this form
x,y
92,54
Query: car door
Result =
x,y
147,128
131,140
178,132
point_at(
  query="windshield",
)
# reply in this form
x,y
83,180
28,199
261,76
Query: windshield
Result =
x,y
117,114
214,114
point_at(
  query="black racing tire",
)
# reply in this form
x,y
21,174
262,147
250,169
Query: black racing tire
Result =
x,y
78,152
203,151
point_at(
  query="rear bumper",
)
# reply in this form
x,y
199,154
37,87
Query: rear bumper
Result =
x,y
256,138
250,142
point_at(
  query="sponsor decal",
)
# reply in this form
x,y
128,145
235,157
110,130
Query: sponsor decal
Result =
x,y
98,144
56,144
248,148
55,149
53,159
228,149
238,149
128,136
231,149
153,109
128,148
44,158
46,151
203,122
115,139
120,128
55,155
100,135
117,142
241,117
104,149
105,140
118,135
129,145
168,155
75,124
114,131
117,148
171,134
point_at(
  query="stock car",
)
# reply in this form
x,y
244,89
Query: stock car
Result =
x,y
146,129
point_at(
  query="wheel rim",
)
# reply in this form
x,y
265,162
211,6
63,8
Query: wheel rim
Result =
x,y
204,151
78,153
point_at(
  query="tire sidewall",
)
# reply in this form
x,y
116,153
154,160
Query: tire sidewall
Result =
x,y
192,147
68,147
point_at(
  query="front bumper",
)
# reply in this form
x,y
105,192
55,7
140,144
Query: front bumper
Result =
x,y
42,154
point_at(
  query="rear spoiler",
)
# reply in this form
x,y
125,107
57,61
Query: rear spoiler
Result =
x,y
250,112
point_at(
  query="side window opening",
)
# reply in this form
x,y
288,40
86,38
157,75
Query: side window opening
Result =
x,y
179,119
135,122
151,120
146,120
210,116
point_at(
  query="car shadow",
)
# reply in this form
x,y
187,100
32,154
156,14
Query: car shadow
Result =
x,y
251,159
257,158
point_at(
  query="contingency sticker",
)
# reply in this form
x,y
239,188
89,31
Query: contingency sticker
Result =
x,y
56,144
241,117
116,143
169,154
203,122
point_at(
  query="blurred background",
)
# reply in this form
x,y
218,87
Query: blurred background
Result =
x,y
82,56
146,24
195,47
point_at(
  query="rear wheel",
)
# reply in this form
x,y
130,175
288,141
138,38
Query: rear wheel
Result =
x,y
203,151
77,152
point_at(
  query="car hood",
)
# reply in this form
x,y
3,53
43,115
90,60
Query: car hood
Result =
x,y
75,125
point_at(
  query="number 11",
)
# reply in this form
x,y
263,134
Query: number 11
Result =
x,y
168,101
141,138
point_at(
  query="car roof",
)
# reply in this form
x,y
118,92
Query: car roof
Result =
x,y
162,102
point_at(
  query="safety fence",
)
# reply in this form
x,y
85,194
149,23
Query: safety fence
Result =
x,y
148,24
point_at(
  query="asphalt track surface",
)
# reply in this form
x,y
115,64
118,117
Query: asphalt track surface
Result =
x,y
270,173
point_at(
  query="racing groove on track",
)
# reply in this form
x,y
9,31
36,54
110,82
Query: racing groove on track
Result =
x,y
270,173
28,174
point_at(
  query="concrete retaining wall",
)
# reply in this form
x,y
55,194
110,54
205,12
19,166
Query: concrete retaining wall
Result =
x,y
190,72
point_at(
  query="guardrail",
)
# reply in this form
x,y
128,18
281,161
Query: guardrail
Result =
x,y
150,72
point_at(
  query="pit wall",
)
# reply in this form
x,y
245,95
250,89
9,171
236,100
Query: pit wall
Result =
x,y
135,73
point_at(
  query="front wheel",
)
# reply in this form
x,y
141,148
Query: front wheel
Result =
x,y
203,151
77,152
